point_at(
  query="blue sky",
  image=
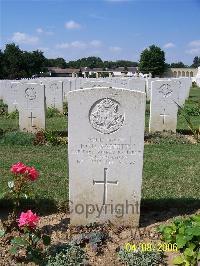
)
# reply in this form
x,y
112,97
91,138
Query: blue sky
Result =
x,y
110,29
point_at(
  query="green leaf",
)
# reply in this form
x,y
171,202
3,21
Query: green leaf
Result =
x,y
178,260
13,250
180,241
192,246
181,230
46,240
161,228
2,233
196,231
198,256
19,241
2,195
35,239
187,263
196,218
188,252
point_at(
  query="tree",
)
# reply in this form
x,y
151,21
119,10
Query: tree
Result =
x,y
13,61
178,65
2,65
58,62
91,62
152,60
196,62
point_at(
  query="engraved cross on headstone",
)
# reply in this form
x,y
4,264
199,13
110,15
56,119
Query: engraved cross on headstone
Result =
x,y
164,115
31,117
54,102
105,182
15,104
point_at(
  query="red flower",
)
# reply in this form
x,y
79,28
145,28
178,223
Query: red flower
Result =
x,y
32,173
18,168
28,219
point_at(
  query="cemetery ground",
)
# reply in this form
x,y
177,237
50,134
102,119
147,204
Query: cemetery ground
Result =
x,y
170,183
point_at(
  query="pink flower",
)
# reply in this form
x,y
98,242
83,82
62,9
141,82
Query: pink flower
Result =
x,y
18,168
32,173
28,219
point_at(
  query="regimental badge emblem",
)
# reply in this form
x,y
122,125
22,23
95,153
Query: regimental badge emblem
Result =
x,y
165,90
106,115
30,94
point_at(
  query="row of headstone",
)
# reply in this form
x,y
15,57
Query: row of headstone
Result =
x,y
165,96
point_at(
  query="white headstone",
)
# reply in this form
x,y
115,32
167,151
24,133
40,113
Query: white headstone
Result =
x,y
136,84
198,77
96,84
106,141
12,94
31,105
54,94
148,88
67,87
163,106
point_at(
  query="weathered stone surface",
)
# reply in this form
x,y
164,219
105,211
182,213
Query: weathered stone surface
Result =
x,y
136,84
163,106
54,94
106,141
31,106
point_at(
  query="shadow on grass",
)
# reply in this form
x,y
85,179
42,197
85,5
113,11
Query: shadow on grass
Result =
x,y
184,131
41,206
152,210
158,210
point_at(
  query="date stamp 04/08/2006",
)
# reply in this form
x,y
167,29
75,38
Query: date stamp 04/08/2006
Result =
x,y
144,247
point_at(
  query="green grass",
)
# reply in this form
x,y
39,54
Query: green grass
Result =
x,y
53,123
51,163
57,123
171,171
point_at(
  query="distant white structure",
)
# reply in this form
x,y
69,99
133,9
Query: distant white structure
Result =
x,y
198,77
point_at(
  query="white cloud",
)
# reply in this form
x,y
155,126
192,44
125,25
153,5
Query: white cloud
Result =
x,y
79,45
72,25
195,43
43,49
94,16
23,38
169,45
42,31
96,43
195,47
115,49
39,30
75,44
194,51
63,45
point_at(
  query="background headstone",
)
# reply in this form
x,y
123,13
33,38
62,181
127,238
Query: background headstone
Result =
x,y
136,84
31,106
54,94
163,106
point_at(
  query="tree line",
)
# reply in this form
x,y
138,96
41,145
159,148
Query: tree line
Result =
x,y
16,63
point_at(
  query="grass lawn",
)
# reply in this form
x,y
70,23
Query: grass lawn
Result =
x,y
171,171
